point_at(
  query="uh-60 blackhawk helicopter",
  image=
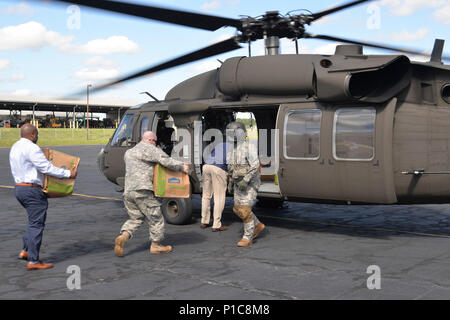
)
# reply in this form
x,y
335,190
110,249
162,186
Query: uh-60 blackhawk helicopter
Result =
x,y
352,128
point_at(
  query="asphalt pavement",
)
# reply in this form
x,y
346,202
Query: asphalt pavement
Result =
x,y
308,251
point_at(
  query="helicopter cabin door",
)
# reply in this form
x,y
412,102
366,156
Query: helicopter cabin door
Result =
x,y
336,153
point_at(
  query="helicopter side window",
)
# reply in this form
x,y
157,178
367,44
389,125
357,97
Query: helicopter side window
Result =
x,y
302,134
354,134
124,132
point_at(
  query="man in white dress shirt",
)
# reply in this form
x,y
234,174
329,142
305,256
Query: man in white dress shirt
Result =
x,y
28,166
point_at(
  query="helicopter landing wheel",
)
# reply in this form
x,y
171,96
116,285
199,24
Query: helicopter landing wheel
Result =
x,y
177,210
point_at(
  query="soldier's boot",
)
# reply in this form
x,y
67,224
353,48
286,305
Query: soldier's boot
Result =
x,y
157,248
260,227
120,242
244,242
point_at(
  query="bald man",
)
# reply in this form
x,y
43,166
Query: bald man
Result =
x,y
28,167
138,195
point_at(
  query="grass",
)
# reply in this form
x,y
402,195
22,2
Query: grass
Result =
x,y
58,136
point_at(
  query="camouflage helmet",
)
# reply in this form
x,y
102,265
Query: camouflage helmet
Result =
x,y
235,125
236,130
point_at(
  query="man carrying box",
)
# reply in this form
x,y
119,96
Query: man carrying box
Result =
x,y
28,166
139,198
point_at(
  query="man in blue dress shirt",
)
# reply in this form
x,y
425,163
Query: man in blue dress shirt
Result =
x,y
215,184
28,166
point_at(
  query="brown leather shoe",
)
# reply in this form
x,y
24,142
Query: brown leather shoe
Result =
x,y
244,242
23,255
39,265
260,227
203,226
222,228
157,248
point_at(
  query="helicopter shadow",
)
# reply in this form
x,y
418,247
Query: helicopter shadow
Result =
x,y
366,221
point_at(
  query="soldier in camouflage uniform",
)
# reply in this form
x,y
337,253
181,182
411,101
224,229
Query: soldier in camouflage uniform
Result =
x,y
243,170
138,196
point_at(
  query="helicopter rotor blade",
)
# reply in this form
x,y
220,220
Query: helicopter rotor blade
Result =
x,y
321,14
185,18
370,44
212,50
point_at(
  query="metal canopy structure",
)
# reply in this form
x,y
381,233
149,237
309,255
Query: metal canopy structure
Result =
x,y
59,106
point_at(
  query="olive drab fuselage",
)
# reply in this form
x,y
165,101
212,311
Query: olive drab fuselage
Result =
x,y
343,128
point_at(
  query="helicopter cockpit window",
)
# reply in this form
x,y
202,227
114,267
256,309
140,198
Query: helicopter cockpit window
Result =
x,y
354,134
124,132
445,92
302,134
144,126
165,129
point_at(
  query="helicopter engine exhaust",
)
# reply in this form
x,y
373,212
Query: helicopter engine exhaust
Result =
x,y
328,78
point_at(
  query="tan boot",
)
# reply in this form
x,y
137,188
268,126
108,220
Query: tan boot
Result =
x,y
244,242
157,248
120,242
260,227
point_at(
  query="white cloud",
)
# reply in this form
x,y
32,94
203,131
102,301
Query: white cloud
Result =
x,y
17,77
406,36
4,64
99,61
205,66
111,45
30,35
211,5
98,73
21,8
408,7
222,37
34,35
98,68
21,92
443,15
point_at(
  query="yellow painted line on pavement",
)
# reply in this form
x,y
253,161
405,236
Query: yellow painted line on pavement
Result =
x,y
77,194
292,219
95,197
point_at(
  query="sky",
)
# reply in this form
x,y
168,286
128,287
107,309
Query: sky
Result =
x,y
49,50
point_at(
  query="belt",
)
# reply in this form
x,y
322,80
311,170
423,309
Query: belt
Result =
x,y
28,185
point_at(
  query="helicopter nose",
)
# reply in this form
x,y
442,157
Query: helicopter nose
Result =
x,y
101,160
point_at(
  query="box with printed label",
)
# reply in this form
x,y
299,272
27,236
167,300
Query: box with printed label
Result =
x,y
170,184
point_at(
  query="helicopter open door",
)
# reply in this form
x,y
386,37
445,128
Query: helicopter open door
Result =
x,y
336,153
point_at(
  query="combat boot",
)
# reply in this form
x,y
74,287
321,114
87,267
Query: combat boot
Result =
x,y
244,242
120,242
260,227
156,248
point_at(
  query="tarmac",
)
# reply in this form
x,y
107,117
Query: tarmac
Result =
x,y
308,251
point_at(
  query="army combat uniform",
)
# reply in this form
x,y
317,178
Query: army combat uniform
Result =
x,y
138,196
243,169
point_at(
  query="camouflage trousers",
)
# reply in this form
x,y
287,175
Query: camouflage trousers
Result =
x,y
143,206
243,202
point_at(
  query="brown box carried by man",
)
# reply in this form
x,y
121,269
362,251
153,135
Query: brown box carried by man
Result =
x,y
55,187
170,184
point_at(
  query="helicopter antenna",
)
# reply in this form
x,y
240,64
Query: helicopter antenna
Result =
x,y
296,45
147,93
436,55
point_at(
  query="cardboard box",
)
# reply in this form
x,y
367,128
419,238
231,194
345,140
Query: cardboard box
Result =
x,y
55,187
170,184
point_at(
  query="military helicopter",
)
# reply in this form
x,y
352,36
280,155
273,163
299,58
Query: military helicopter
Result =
x,y
351,128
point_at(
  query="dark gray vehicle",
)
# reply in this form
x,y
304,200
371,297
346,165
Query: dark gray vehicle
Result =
x,y
351,128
